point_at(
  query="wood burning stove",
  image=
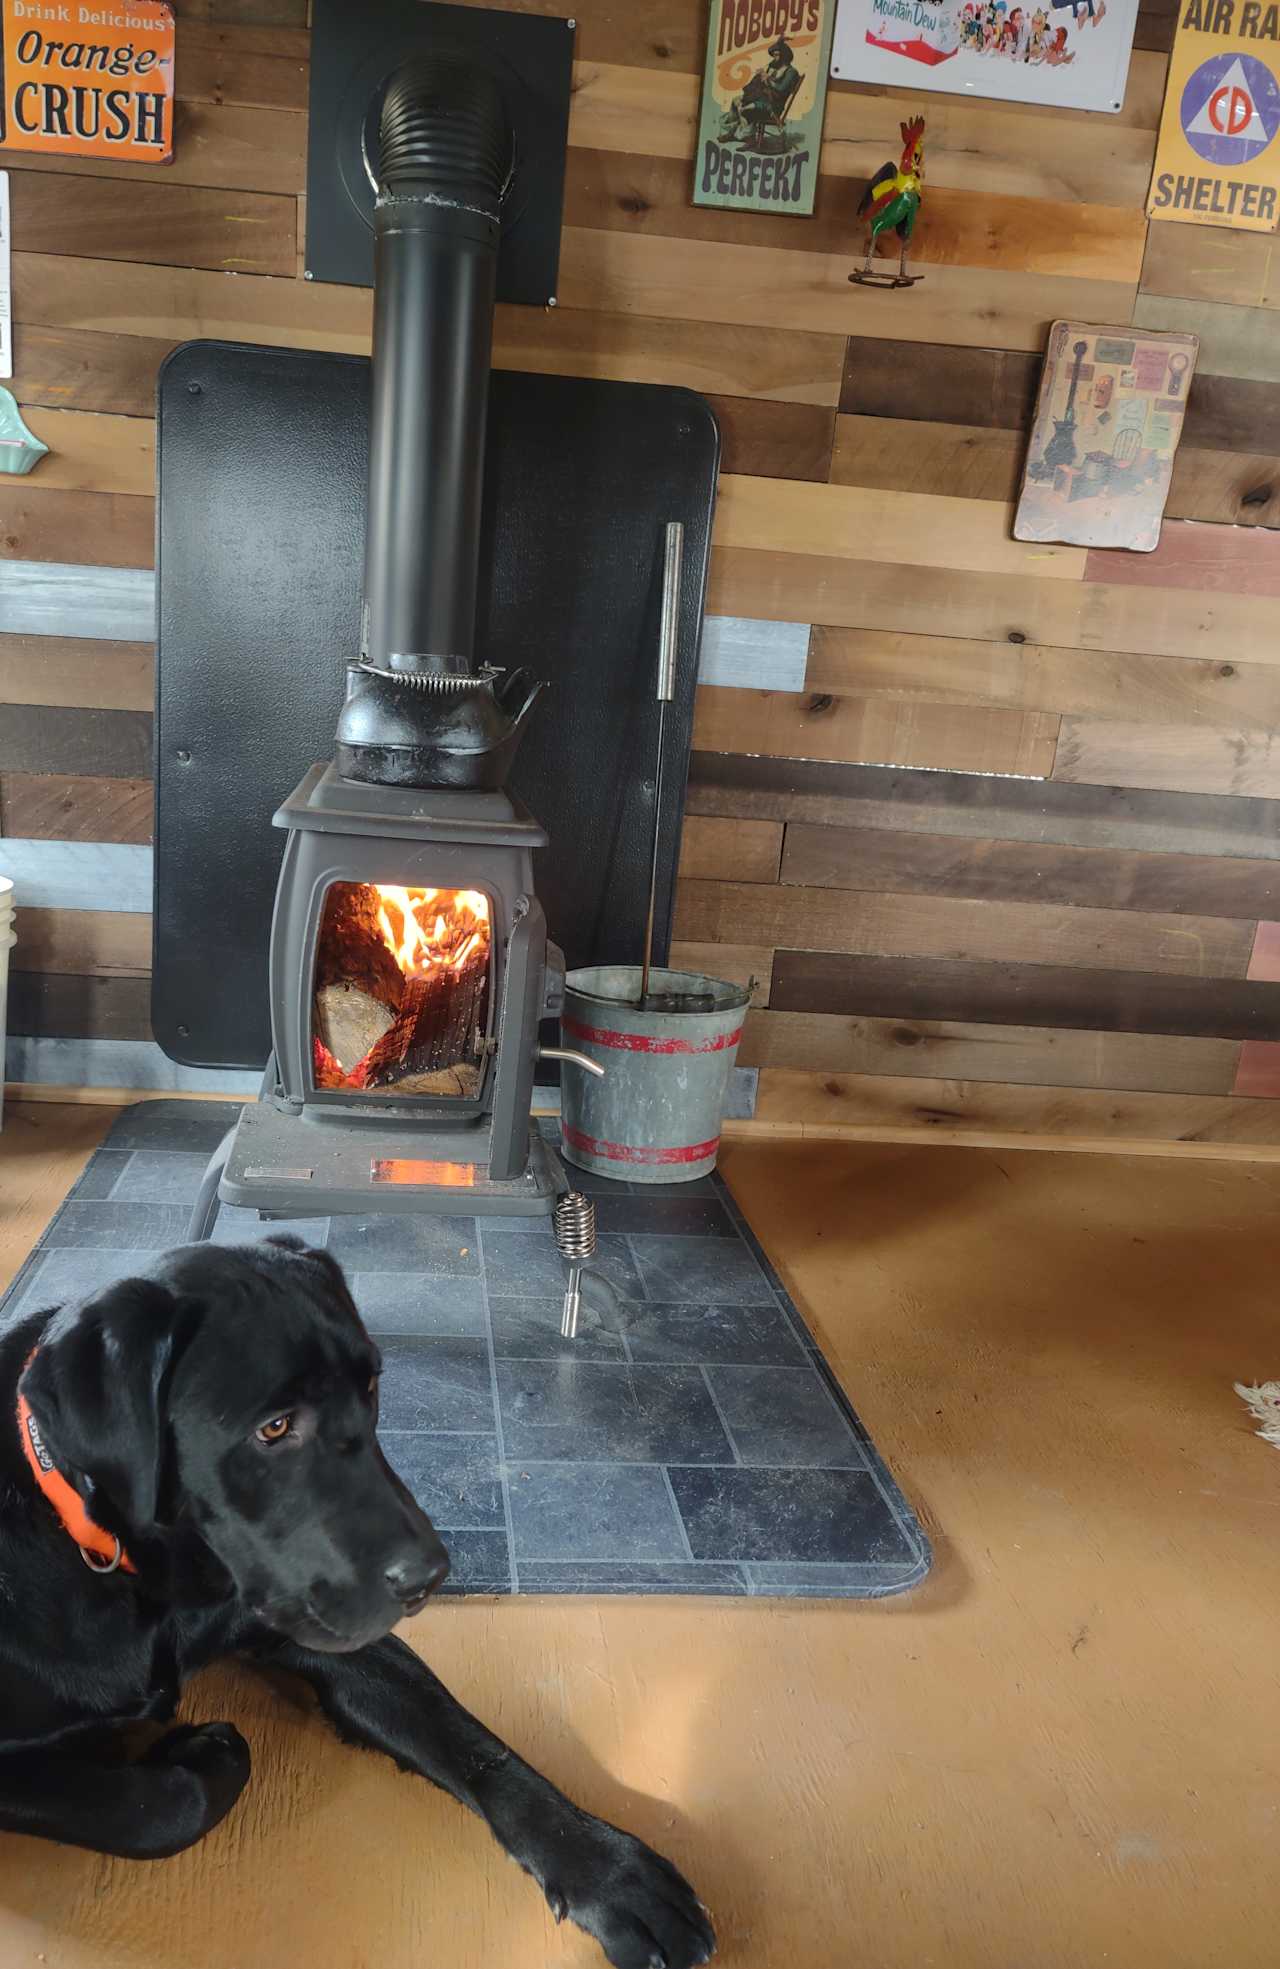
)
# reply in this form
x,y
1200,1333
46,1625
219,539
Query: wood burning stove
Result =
x,y
410,964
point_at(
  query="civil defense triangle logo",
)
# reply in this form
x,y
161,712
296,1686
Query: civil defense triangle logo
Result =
x,y
1230,109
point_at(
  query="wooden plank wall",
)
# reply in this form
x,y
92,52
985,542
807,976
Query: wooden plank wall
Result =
x,y
1003,857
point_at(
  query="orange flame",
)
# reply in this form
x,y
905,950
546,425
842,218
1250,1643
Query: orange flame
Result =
x,y
430,928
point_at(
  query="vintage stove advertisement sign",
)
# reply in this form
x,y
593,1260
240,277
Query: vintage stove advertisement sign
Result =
x,y
88,78
1218,152
763,95
1073,54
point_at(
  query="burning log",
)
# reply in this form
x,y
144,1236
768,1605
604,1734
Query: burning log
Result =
x,y
352,950
350,1022
436,1024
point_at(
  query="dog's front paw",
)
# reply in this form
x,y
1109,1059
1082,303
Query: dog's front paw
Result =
x,y
215,1754
643,1913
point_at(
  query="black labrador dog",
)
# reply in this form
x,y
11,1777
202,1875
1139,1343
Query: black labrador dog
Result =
x,y
206,1435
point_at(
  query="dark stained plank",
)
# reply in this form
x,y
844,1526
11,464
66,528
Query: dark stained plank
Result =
x,y
51,1005
96,529
1223,560
49,738
55,807
971,461
245,13
165,224
774,440
1024,871
1024,994
1156,22
80,369
995,389
983,805
880,924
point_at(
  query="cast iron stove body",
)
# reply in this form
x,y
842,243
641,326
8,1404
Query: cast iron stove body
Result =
x,y
410,965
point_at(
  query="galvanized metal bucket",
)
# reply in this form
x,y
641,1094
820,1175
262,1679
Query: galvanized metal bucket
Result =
x,y
655,1117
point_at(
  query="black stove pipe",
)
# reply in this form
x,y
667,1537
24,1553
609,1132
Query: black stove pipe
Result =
x,y
445,158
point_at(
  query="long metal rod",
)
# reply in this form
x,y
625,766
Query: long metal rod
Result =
x,y
668,637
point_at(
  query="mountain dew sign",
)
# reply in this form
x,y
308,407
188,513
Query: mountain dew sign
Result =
x,y
1218,153
763,94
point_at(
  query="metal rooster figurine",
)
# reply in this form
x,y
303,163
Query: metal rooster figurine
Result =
x,y
891,203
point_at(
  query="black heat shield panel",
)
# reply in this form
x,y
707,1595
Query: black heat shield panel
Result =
x,y
262,461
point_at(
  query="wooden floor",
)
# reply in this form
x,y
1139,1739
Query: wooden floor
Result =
x,y
1062,1752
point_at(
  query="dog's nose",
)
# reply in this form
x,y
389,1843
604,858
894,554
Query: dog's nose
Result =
x,y
415,1579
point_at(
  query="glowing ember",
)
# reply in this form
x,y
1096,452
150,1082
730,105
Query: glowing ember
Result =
x,y
427,929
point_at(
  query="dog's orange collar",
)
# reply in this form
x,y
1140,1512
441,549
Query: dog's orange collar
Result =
x,y
100,1550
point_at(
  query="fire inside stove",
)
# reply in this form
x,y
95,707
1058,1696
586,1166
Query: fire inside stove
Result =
x,y
401,997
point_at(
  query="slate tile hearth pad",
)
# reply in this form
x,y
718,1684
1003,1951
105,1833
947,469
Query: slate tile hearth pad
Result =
x,y
703,1447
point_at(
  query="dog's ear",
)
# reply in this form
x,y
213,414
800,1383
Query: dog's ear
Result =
x,y
98,1389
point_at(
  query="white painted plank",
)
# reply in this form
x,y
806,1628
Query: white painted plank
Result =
x,y
56,598
77,874
115,1063
744,654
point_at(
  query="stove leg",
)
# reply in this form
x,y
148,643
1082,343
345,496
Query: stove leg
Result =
x,y
204,1212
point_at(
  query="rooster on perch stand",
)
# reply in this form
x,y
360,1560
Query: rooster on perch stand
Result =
x,y
891,203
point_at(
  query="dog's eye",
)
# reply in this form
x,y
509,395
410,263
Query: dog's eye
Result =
x,y
276,1430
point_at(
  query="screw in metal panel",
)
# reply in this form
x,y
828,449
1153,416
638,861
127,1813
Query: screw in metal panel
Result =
x,y
307,274
552,301
183,756
193,389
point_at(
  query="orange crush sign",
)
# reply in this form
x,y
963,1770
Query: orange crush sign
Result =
x,y
88,78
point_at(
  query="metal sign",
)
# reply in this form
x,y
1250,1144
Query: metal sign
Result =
x,y
1218,152
764,92
88,80
1072,54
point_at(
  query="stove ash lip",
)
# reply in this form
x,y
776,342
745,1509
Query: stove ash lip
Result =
x,y
419,712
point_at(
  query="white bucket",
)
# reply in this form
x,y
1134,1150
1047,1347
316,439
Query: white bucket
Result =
x,y
8,937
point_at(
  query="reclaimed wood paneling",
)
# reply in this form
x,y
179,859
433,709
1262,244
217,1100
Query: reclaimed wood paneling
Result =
x,y
80,369
84,942
970,461
887,1108
93,453
984,806
1098,683
741,850
886,925
45,1005
994,993
257,67
167,224
39,738
42,525
1212,560
1264,959
948,601
55,807
812,1042
774,440
1234,341
1258,1069
892,528
818,725
81,673
216,146
1023,871
1190,760
1236,267
67,601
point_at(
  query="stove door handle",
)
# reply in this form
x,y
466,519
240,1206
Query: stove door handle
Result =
x,y
574,1059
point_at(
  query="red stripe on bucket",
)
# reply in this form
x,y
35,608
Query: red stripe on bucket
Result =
x,y
626,1152
639,1042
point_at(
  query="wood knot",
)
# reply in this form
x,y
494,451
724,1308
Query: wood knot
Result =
x,y
1226,669
663,50
631,201
833,1087
903,1036
1017,636
819,704
1258,495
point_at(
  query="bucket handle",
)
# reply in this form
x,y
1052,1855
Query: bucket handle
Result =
x,y
573,1059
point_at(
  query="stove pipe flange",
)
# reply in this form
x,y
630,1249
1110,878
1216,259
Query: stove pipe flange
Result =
x,y
418,710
